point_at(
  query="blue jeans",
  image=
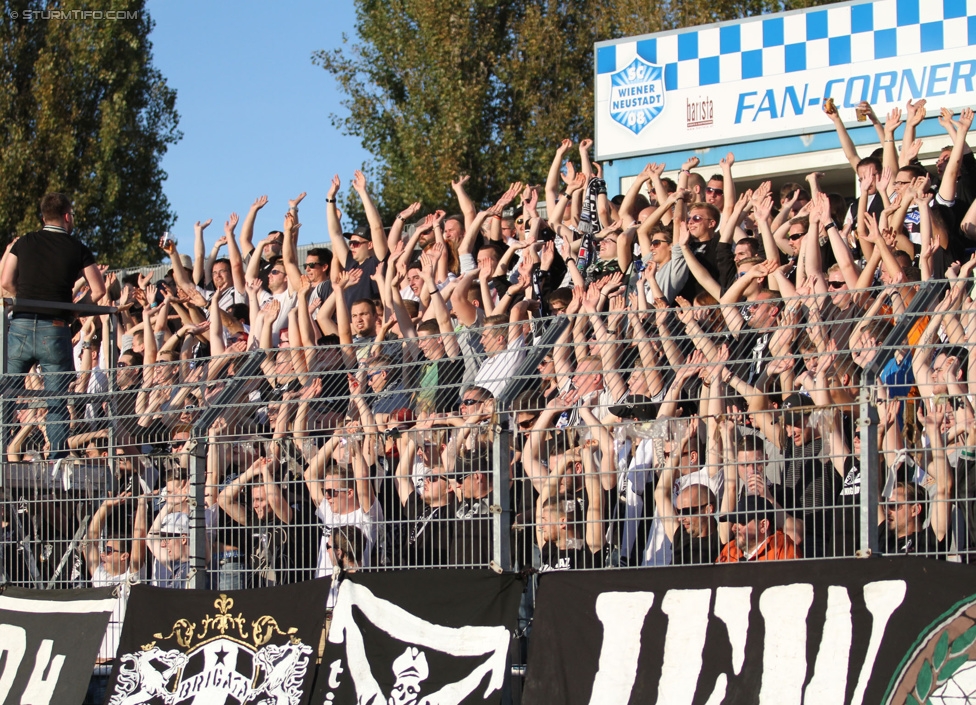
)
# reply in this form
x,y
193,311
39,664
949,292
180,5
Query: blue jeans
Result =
x,y
47,343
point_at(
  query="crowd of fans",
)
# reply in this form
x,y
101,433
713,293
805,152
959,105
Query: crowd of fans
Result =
x,y
699,404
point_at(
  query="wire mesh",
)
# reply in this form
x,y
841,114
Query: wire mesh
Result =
x,y
630,438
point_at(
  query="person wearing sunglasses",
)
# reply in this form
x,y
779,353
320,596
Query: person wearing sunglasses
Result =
x,y
345,496
116,557
702,223
687,516
715,192
366,246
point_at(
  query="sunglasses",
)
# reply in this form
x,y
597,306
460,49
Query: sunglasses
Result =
x,y
120,365
796,236
470,402
716,191
695,218
836,285
357,243
370,375
689,511
434,477
330,493
658,243
309,265
276,272
519,221
527,424
109,550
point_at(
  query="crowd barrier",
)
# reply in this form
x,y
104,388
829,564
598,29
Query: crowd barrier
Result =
x,y
620,453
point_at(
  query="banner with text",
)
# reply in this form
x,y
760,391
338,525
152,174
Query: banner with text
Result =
x,y
49,642
885,630
201,646
420,636
769,76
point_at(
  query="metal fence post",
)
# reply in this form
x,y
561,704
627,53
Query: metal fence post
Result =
x,y
501,521
198,512
870,467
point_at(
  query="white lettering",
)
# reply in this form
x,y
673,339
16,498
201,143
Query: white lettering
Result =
x,y
687,612
784,609
732,606
622,615
882,599
40,688
829,682
13,645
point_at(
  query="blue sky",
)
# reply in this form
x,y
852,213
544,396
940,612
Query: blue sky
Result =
x,y
254,111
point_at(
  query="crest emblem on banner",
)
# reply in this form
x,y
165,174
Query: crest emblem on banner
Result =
x,y
637,95
220,658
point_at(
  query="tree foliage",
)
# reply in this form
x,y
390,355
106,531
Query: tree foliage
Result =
x,y
438,88
84,112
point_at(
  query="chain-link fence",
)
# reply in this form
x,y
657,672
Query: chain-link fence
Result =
x,y
815,427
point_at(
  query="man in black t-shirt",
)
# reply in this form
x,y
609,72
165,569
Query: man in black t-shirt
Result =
x,y
904,529
43,266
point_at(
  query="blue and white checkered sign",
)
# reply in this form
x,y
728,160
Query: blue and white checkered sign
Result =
x,y
788,48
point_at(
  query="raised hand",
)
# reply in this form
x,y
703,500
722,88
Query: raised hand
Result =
x,y
293,203
916,112
585,145
232,221
410,211
204,225
727,160
359,181
564,146
893,121
334,187
690,163
259,203
271,310
460,181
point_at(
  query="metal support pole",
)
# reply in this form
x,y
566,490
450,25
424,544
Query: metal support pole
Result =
x,y
113,358
198,511
868,540
501,510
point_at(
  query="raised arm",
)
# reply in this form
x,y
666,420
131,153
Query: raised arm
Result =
x,y
198,248
377,233
247,229
340,249
947,189
289,243
467,206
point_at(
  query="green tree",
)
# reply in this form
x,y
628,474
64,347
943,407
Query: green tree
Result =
x,y
84,112
438,88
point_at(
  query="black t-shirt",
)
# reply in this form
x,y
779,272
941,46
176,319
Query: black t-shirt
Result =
x,y
691,550
471,534
751,350
426,534
575,558
365,288
923,541
48,264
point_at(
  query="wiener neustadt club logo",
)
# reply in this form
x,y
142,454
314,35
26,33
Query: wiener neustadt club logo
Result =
x,y
637,95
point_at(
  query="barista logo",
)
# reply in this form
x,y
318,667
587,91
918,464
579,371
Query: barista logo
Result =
x,y
942,666
220,659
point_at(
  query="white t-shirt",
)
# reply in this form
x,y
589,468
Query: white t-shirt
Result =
x,y
125,581
496,370
367,522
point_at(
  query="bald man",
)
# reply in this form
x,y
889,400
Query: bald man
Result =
x,y
688,518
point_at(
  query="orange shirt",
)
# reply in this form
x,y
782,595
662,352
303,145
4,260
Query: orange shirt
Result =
x,y
777,547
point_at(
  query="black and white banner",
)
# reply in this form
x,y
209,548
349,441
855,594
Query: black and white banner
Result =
x,y
884,630
420,636
183,647
49,642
